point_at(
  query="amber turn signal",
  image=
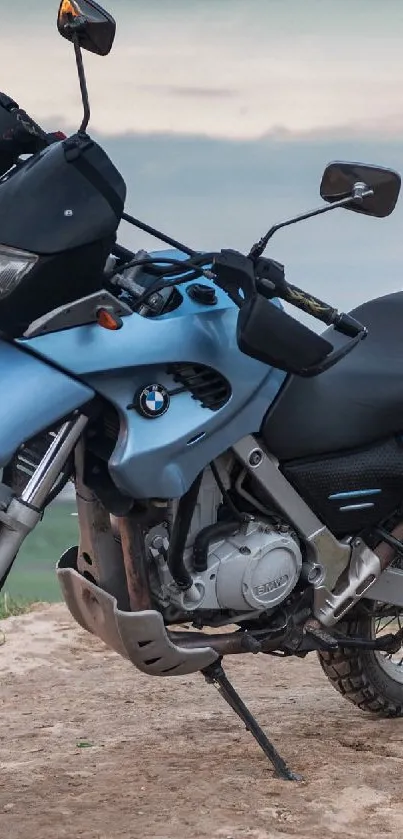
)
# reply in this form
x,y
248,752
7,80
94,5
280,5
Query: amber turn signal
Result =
x,y
107,319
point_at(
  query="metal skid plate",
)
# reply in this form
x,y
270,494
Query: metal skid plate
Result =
x,y
139,636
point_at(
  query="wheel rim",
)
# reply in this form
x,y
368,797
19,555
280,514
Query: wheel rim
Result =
x,y
391,663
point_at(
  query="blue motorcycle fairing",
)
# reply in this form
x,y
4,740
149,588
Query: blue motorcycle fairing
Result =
x,y
160,457
34,397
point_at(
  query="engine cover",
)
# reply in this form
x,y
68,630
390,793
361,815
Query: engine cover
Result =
x,y
251,572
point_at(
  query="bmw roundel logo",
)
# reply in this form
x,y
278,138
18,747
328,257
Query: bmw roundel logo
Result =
x,y
152,401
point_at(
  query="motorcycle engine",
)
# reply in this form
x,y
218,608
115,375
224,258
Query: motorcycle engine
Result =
x,y
248,573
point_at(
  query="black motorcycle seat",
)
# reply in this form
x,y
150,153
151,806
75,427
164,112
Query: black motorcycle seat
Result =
x,y
356,402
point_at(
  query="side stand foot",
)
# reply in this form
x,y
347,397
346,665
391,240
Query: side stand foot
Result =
x,y
215,675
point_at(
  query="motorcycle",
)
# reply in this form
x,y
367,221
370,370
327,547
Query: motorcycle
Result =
x,y
238,476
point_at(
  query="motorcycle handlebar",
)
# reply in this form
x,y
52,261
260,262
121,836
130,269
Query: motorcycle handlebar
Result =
x,y
311,305
308,303
341,322
273,284
19,133
233,271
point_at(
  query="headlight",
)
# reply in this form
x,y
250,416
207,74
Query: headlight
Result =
x,y
14,265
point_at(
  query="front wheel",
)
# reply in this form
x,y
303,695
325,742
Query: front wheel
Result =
x,y
370,679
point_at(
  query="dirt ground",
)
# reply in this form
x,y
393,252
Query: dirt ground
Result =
x,y
91,748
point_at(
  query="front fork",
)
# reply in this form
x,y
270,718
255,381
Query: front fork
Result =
x,y
19,516
111,556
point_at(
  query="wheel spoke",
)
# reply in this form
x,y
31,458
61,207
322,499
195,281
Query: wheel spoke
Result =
x,y
392,619
391,662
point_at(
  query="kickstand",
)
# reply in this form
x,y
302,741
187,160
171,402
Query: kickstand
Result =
x,y
215,675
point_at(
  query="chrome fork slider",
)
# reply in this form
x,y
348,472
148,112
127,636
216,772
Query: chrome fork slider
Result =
x,y
23,513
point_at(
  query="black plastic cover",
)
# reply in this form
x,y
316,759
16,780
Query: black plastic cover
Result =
x,y
357,402
65,197
234,274
325,481
267,333
54,281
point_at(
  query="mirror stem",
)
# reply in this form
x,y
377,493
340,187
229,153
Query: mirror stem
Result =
x,y
83,85
358,195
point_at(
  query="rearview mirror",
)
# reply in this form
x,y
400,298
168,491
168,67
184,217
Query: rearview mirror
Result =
x,y
88,24
341,180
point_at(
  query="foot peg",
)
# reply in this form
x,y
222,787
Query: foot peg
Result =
x,y
215,675
322,638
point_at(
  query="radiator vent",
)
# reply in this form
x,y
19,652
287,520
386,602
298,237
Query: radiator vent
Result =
x,y
102,434
207,386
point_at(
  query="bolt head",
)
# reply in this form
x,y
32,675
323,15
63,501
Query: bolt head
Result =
x,y
255,457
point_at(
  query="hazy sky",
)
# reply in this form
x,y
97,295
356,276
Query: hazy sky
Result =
x,y
222,68
222,114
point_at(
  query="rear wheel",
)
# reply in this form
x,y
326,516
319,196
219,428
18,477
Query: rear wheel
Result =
x,y
369,679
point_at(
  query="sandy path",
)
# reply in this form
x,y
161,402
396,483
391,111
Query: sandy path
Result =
x,y
168,760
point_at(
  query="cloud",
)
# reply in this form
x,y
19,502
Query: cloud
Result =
x,y
190,92
222,114
211,193
227,70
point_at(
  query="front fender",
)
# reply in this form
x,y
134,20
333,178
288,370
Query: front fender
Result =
x,y
33,396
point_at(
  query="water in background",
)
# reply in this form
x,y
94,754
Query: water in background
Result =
x,y
222,114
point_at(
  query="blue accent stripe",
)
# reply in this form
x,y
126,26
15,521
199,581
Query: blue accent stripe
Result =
x,y
356,493
349,507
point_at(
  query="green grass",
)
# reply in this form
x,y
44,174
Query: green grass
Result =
x,y
33,575
10,607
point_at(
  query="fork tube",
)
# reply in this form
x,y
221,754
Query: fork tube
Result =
x,y
24,513
39,486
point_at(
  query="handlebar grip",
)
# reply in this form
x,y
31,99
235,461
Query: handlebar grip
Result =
x,y
309,304
270,285
274,285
